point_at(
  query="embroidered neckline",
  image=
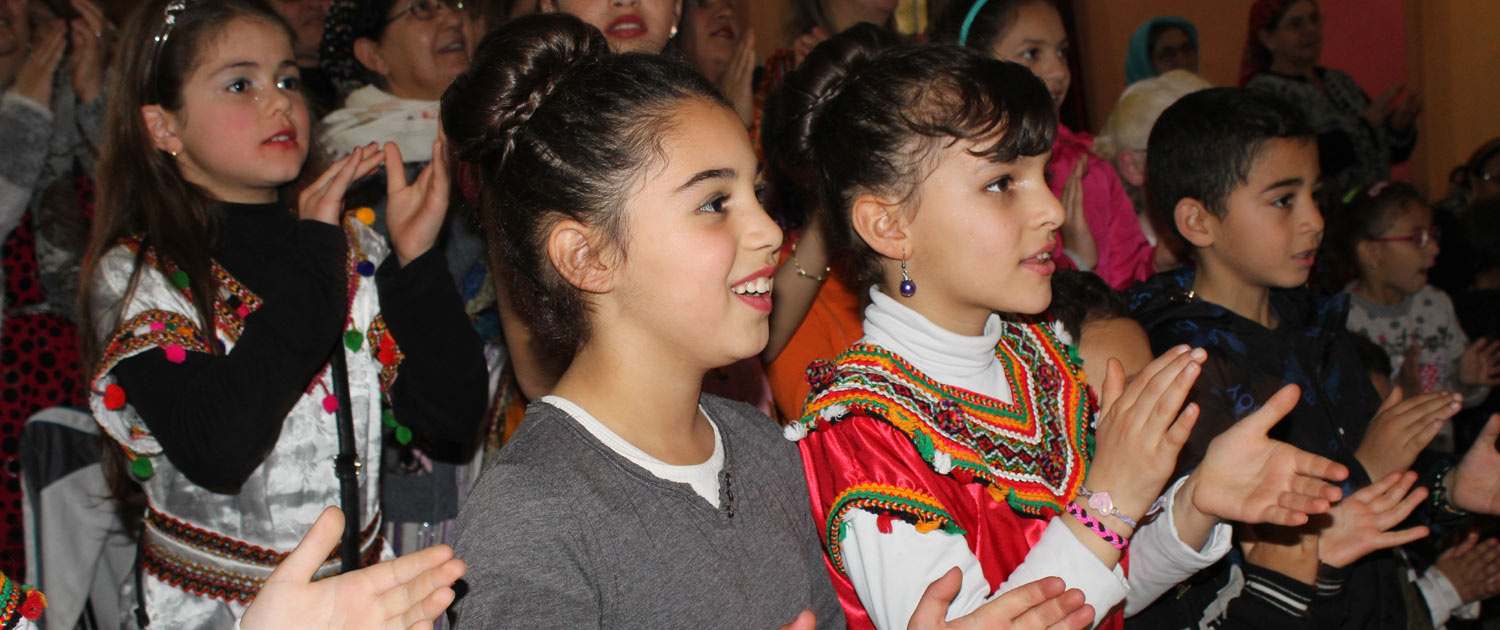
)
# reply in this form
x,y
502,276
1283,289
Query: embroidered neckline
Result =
x,y
1032,452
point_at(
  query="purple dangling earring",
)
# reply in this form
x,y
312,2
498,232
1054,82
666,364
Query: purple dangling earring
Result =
x,y
908,288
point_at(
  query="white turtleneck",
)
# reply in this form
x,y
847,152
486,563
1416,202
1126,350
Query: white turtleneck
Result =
x,y
889,572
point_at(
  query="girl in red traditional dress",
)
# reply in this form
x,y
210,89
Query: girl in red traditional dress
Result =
x,y
959,430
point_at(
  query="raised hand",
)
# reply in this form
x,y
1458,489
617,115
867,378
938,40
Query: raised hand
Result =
x,y
90,56
1379,110
738,83
1475,484
323,200
414,213
1045,604
408,592
1142,427
34,79
1405,114
1361,522
1075,228
1472,567
1250,478
807,42
1480,364
1402,428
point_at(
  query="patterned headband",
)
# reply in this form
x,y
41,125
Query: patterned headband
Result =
x,y
169,21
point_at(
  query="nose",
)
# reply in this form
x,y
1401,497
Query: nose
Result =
x,y
1048,210
761,233
625,3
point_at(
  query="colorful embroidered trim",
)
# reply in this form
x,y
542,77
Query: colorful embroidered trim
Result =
x,y
206,581
1033,453
1115,540
922,510
233,304
387,353
151,329
229,548
19,602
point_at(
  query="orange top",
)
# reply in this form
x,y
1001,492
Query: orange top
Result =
x,y
834,323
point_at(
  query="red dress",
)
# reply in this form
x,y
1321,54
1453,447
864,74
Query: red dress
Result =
x,y
881,436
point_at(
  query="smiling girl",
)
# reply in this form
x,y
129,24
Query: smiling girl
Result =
x,y
959,431
241,345
628,25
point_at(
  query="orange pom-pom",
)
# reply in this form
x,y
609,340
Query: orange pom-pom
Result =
x,y
927,526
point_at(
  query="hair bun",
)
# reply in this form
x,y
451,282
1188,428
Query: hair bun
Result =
x,y
795,109
513,72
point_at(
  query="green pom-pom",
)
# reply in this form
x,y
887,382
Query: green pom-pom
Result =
x,y
403,435
180,278
353,340
142,468
387,418
843,529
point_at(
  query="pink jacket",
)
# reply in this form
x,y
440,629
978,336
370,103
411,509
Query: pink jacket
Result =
x,y
1124,254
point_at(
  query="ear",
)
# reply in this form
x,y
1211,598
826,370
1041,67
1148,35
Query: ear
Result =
x,y
882,224
571,248
367,52
1132,167
1368,253
1197,225
162,126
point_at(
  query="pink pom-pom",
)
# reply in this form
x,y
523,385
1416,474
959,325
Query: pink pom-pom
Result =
x,y
242,311
330,403
175,353
155,326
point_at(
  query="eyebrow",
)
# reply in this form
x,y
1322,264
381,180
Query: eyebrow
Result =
x,y
714,173
251,64
1293,181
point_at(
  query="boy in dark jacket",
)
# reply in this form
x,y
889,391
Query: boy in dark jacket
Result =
x,y
1233,173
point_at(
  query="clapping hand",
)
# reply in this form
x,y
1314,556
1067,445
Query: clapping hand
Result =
x,y
1480,364
415,212
1362,522
1046,604
405,593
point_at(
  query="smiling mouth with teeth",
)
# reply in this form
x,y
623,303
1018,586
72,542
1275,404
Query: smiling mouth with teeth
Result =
x,y
1044,256
758,286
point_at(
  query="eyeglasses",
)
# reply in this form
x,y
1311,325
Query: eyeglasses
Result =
x,y
427,9
1420,237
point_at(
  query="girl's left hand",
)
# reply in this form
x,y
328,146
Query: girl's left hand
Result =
x,y
1480,364
737,83
1474,485
414,213
1362,522
1250,478
88,34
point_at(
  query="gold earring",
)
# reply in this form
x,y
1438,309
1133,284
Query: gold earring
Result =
x,y
672,33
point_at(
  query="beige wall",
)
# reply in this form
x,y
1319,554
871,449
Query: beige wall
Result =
x,y
1458,72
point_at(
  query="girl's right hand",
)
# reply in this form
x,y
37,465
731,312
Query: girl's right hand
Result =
x,y
1075,228
1142,427
1472,567
1046,604
1401,429
323,200
1358,525
738,82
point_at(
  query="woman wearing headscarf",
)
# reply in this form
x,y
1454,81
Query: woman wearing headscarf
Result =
x,y
1358,138
1162,44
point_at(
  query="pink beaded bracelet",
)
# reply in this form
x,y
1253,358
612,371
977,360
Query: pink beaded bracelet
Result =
x,y
1115,540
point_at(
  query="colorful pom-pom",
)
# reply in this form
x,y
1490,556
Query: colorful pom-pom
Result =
x,y
927,526
387,418
243,311
365,215
387,352
996,493
175,353
403,435
180,279
883,522
142,468
35,603
114,397
353,340
330,403
158,326
365,268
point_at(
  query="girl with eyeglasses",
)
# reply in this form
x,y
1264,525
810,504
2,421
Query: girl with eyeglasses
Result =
x,y
244,334
1385,232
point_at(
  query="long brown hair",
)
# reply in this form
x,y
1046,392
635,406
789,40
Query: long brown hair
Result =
x,y
142,193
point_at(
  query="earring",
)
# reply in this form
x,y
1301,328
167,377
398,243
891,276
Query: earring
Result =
x,y
908,288
174,153
672,33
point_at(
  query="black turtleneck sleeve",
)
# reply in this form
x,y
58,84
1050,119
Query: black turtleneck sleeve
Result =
x,y
442,385
218,416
